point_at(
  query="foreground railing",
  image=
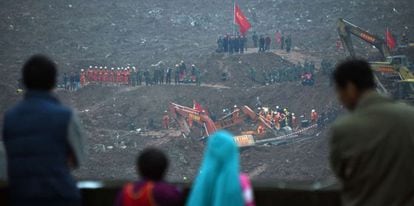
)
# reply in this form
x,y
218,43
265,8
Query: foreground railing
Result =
x,y
103,193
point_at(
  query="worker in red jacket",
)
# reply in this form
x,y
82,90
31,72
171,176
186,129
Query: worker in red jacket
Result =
x,y
118,76
314,116
294,122
105,75
82,78
95,74
111,75
166,121
89,74
126,75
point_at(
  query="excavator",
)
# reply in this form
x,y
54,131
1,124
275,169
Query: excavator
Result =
x,y
393,75
188,117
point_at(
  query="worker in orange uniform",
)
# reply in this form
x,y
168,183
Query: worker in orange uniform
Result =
x,y
127,75
260,129
236,113
166,121
269,117
314,116
118,76
95,74
82,78
89,74
276,120
294,122
105,75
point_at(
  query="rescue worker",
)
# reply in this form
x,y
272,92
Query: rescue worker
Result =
x,y
260,129
89,74
100,75
65,81
166,120
112,75
133,77
294,120
276,120
127,75
261,44
198,77
147,77
268,41
193,73
139,76
226,44
168,76
288,43
162,75
95,74
314,116
236,113
118,76
82,78
255,39
177,75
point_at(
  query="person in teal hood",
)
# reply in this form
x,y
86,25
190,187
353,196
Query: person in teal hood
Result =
x,y
219,181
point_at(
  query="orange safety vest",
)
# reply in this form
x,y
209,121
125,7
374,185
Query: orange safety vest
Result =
x,y
142,197
83,78
260,130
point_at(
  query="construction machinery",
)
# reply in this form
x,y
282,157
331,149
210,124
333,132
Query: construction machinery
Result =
x,y
392,74
187,118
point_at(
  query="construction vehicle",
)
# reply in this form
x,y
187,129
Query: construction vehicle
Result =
x,y
393,75
187,117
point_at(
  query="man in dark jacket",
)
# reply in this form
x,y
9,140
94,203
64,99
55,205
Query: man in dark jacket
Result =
x,y
372,148
261,44
43,142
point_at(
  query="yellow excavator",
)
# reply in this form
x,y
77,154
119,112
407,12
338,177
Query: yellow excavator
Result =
x,y
392,74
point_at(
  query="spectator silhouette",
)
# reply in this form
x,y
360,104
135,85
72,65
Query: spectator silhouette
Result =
x,y
151,190
219,181
372,148
43,141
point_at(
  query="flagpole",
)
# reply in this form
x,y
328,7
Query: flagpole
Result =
x,y
234,17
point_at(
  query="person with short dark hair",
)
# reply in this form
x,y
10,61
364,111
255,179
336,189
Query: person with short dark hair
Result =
x,y
151,190
43,141
372,148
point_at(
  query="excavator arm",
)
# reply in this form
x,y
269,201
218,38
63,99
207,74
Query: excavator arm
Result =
x,y
346,29
183,115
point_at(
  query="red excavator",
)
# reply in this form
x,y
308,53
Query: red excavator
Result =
x,y
188,117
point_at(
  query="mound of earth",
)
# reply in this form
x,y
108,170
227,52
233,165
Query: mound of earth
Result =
x,y
116,120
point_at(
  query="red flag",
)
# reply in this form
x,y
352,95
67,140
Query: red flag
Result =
x,y
390,39
241,20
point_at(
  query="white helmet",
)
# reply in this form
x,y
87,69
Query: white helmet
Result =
x,y
105,67
117,68
112,68
313,110
90,67
82,70
235,106
293,114
96,67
